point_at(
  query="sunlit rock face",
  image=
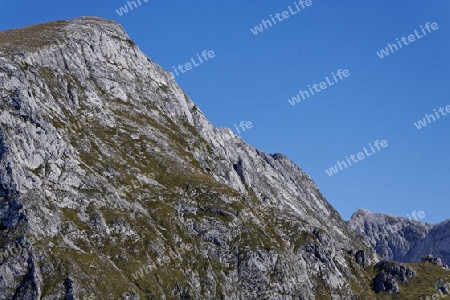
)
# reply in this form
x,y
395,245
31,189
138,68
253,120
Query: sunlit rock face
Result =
x,y
114,184
403,239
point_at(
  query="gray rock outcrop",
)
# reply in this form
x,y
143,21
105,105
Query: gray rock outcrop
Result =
x,y
386,283
434,260
442,287
390,274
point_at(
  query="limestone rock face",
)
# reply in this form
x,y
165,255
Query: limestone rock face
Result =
x,y
403,239
114,184
436,242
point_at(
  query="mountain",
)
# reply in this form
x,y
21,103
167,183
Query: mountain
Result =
x,y
403,239
112,169
114,184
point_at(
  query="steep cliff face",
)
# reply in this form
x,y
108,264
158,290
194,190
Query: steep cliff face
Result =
x,y
403,239
436,242
113,183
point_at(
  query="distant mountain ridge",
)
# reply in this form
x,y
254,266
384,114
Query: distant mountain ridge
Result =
x,y
402,239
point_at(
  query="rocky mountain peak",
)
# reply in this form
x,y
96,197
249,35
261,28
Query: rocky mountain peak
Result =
x,y
108,165
44,36
114,184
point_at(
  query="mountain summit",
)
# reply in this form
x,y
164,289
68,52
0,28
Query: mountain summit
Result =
x,y
114,184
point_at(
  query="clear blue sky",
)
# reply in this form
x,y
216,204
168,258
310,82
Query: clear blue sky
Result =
x,y
252,77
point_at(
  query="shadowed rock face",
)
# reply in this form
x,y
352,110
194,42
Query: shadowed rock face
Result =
x,y
403,239
85,119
